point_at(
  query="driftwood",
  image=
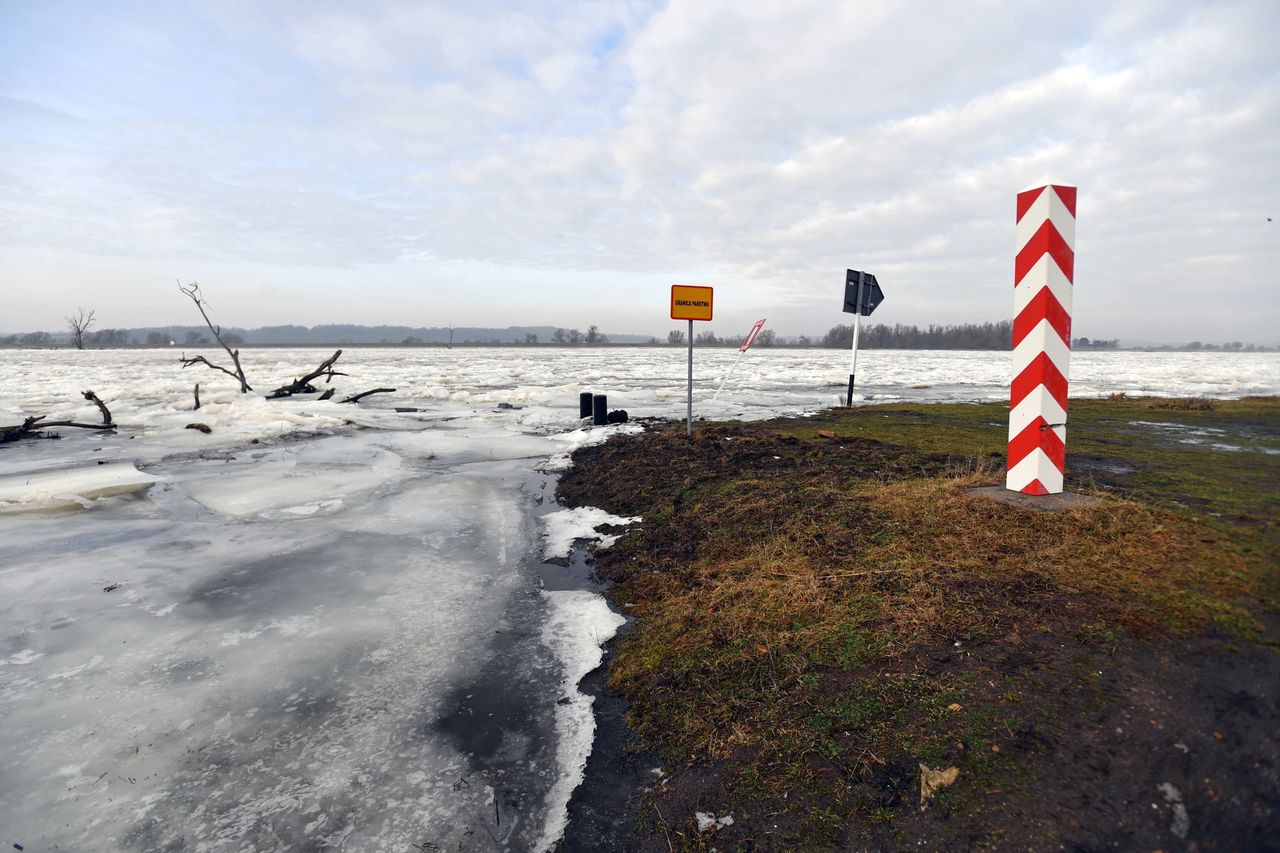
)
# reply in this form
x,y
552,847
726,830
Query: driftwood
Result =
x,y
102,407
197,393
192,292
303,385
33,427
358,397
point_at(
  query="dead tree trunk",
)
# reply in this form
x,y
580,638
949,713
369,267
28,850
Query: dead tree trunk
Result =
x,y
303,385
192,291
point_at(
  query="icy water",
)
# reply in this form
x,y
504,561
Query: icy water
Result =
x,y
328,626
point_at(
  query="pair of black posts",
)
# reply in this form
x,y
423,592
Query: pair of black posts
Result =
x,y
594,406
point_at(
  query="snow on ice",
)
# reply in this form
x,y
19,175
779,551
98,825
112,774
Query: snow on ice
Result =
x,y
321,625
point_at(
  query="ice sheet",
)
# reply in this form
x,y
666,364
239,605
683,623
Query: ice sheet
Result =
x,y
71,487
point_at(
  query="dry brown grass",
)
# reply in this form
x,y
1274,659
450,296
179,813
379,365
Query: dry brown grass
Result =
x,y
815,597
732,646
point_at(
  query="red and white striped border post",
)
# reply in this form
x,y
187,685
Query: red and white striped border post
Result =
x,y
1043,278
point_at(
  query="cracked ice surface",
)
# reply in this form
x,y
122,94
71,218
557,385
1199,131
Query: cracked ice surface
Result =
x,y
320,626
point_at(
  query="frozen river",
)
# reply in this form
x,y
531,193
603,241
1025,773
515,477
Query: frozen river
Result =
x,y
328,626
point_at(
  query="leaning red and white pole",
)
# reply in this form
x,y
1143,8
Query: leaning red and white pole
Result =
x,y
1044,272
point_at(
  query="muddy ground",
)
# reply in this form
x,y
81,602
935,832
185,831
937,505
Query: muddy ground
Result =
x,y
1155,741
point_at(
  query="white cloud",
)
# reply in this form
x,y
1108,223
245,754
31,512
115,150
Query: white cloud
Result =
x,y
765,145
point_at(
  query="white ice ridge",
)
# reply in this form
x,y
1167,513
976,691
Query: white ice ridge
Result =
x,y
71,487
578,625
574,439
566,526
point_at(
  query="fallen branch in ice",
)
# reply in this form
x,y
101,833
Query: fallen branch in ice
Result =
x,y
197,393
32,428
102,407
192,291
303,385
358,397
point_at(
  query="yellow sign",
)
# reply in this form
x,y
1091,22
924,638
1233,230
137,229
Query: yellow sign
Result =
x,y
689,302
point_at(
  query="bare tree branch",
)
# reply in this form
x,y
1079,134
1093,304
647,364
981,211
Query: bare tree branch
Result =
x,y
303,385
187,361
102,407
192,292
358,397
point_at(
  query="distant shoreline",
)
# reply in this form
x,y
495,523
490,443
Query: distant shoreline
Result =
x,y
1210,349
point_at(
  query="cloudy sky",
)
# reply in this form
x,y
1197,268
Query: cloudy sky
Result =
x,y
563,163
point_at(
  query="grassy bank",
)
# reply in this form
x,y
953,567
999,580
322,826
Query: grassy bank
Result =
x,y
823,607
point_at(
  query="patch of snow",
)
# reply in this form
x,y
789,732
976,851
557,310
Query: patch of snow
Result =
x,y
566,526
708,822
578,626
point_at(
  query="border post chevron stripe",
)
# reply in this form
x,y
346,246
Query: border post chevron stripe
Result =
x,y
1043,276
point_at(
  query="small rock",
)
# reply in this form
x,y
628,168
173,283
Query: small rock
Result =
x,y
1181,820
708,822
205,428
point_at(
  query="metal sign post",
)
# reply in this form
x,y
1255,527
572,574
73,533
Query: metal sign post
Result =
x,y
691,302
862,294
688,429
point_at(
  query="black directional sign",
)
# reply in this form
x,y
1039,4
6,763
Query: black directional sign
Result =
x,y
871,295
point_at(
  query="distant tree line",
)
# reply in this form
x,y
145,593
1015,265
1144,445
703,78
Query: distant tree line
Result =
x,y
1096,343
980,336
968,336
593,337
708,338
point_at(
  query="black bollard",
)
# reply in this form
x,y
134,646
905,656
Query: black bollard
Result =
x,y
600,411
584,404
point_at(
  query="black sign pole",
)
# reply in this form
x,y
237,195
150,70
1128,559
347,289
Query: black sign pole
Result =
x,y
857,324
689,425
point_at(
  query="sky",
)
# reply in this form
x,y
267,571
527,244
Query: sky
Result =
x,y
564,163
